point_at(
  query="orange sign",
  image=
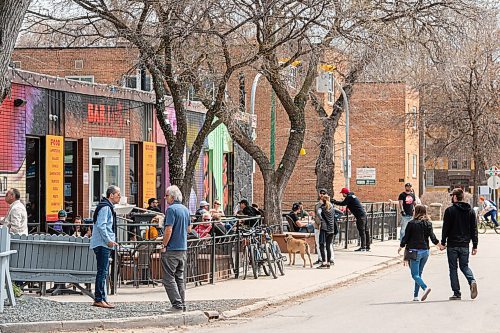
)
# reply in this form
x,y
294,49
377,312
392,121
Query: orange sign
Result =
x,y
54,176
148,172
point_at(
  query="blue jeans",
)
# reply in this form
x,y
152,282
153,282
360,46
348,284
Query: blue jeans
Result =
x,y
404,222
460,254
493,215
309,228
416,269
102,256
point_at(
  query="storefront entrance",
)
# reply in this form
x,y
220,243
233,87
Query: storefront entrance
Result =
x,y
107,166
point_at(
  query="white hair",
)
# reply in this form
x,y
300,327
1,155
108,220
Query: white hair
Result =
x,y
174,192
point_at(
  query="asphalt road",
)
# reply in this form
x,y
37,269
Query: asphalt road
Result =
x,y
383,303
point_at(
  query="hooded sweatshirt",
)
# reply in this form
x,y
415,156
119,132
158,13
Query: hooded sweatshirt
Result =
x,y
459,226
353,204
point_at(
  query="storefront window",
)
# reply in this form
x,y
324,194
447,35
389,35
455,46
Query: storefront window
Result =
x,y
70,178
160,175
33,190
133,199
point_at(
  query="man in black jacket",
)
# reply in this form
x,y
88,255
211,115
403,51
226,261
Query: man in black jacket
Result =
x,y
354,205
459,228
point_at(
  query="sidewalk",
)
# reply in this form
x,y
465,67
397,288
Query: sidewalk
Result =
x,y
348,265
145,306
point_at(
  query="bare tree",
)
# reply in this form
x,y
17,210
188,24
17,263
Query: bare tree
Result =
x,y
11,17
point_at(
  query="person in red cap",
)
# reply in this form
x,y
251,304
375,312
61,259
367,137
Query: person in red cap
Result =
x,y
354,205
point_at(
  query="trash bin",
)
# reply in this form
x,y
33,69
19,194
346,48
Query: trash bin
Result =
x,y
435,211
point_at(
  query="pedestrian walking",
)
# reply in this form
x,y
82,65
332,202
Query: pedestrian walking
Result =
x,y
354,205
103,240
328,230
406,204
174,248
416,242
459,229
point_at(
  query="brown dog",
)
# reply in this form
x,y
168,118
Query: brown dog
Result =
x,y
297,245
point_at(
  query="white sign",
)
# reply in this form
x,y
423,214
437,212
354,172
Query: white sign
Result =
x,y
484,190
494,182
86,178
322,82
366,173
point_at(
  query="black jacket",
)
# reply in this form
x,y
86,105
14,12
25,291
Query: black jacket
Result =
x,y
328,222
459,226
417,235
352,202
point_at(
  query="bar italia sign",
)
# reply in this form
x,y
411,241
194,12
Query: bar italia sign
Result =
x,y
54,177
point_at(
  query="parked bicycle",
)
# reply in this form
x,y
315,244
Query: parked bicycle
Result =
x,y
261,252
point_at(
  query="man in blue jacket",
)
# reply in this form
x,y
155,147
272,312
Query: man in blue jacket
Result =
x,y
103,241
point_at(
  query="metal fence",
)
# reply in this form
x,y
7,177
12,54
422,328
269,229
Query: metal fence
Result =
x,y
212,258
382,224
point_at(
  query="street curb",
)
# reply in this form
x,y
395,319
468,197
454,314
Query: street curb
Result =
x,y
174,319
279,300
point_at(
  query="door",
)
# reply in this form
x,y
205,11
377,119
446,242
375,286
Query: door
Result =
x,y
106,171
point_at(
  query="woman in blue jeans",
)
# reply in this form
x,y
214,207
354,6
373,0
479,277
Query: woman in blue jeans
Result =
x,y
416,240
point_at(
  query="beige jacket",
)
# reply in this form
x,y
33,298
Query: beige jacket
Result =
x,y
17,218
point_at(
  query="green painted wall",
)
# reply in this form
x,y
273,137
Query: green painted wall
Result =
x,y
219,142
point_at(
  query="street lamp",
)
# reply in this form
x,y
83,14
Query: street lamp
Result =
x,y
347,167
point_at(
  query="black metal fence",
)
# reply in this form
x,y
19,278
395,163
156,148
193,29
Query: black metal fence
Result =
x,y
382,223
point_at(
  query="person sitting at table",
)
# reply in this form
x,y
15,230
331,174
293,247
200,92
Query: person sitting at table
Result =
x,y
203,229
78,229
303,226
302,212
153,205
217,212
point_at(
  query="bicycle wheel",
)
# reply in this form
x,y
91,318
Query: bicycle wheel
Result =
x,y
481,227
269,258
497,229
254,261
246,261
278,257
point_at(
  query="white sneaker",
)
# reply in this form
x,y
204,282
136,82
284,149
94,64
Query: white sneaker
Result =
x,y
415,299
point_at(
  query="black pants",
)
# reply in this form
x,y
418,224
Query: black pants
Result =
x,y
364,234
325,240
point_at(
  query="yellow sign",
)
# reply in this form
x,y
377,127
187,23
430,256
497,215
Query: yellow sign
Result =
x,y
54,176
148,171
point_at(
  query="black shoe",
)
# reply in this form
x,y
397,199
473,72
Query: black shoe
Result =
x,y
455,298
367,249
323,266
361,249
317,262
332,262
473,290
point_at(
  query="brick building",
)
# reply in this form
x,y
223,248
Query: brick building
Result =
x,y
107,65
384,145
383,138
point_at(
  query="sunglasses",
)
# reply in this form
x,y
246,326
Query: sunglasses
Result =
x,y
206,219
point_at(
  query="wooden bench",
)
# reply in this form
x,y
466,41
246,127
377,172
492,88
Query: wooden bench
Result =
x,y
308,237
6,289
53,258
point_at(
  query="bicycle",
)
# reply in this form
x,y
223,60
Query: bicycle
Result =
x,y
257,254
483,224
278,257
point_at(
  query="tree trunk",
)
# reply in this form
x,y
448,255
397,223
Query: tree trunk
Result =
x,y
11,17
421,152
477,162
325,164
272,199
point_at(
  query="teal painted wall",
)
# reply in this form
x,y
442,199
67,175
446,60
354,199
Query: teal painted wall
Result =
x,y
219,142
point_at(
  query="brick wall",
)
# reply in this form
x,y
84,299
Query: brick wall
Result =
x,y
106,64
